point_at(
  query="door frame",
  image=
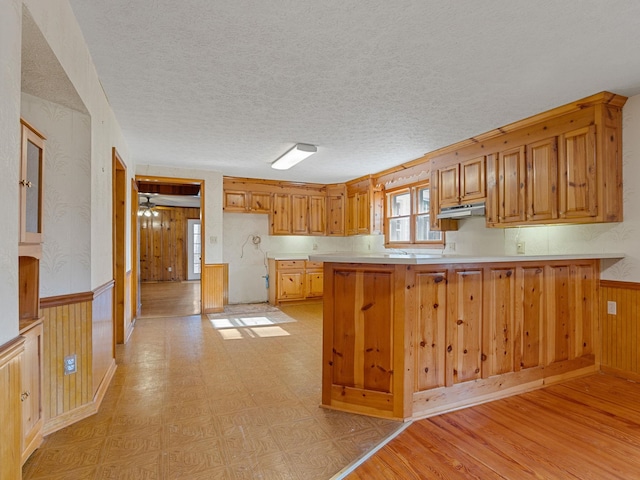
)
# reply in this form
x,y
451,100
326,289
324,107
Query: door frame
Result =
x,y
121,328
178,181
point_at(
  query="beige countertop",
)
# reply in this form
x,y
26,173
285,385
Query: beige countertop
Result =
x,y
436,259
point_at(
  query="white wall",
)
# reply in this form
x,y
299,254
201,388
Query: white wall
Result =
x,y
59,27
212,239
10,53
66,251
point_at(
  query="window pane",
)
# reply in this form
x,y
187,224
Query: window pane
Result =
x,y
424,232
400,204
399,230
423,200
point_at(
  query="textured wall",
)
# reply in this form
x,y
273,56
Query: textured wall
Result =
x,y
10,42
58,25
66,253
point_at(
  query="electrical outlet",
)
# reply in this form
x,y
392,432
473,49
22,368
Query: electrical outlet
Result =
x,y
452,246
315,246
612,308
520,248
70,362
169,269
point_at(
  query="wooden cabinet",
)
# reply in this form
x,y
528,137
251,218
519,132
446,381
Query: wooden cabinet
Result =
x,y
460,333
560,166
464,326
294,280
317,215
31,395
336,209
31,170
365,208
314,278
281,214
246,202
299,214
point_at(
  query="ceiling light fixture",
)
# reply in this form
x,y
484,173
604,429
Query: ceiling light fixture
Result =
x,y
299,152
146,208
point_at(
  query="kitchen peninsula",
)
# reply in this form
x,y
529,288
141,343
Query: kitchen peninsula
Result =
x,y
408,336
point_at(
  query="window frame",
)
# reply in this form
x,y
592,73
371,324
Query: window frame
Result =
x,y
413,190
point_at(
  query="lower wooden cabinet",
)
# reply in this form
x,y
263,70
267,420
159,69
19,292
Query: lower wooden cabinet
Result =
x,y
31,395
409,341
294,280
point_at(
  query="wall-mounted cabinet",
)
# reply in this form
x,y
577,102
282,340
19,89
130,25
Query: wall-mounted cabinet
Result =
x,y
560,166
336,209
31,170
364,207
246,201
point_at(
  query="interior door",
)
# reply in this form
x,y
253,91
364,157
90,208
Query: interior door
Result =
x,y
194,249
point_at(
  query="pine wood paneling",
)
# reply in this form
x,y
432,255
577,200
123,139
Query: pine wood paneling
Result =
x,y
163,244
83,327
10,409
620,332
215,287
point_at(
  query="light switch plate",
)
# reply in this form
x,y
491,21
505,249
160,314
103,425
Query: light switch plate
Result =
x,y
612,307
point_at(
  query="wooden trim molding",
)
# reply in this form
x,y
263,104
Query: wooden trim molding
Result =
x,y
73,298
619,284
10,350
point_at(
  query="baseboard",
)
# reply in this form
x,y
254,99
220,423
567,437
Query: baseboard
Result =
x,y
634,377
104,385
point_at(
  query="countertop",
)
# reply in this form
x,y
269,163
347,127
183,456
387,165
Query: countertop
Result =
x,y
427,259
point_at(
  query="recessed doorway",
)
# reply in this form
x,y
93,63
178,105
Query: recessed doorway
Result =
x,y
169,246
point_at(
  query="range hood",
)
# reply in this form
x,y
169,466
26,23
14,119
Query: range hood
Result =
x,y
462,211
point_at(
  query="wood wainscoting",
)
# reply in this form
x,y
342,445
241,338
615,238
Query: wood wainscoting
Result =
x,y
11,409
620,331
82,325
215,287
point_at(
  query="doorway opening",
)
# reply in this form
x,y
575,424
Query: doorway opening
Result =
x,y
170,249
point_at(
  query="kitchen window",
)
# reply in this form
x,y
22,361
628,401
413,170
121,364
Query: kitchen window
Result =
x,y
407,218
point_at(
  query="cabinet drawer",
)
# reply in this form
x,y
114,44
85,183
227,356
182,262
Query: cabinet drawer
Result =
x,y
290,264
310,265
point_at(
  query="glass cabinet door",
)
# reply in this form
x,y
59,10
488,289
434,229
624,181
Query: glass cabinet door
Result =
x,y
31,186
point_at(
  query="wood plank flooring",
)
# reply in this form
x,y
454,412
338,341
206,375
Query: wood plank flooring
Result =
x,y
587,428
169,299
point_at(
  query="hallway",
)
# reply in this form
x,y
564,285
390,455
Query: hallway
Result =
x,y
199,398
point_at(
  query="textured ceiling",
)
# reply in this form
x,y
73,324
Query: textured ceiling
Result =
x,y
230,85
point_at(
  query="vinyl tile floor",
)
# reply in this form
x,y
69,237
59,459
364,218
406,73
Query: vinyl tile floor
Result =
x,y
200,398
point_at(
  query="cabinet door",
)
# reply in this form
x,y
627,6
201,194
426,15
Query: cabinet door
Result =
x,y
235,201
464,333
291,285
335,215
299,214
431,316
260,202
448,186
499,322
31,168
315,283
578,192
352,215
511,185
281,215
531,317
317,215
542,180
364,212
472,183
31,396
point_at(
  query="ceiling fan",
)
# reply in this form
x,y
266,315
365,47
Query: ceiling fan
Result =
x,y
147,208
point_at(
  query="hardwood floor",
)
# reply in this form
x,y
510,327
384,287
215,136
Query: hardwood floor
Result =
x,y
169,299
587,428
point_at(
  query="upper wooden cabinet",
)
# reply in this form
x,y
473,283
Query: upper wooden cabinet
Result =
x,y
31,169
336,208
246,201
365,207
560,166
281,214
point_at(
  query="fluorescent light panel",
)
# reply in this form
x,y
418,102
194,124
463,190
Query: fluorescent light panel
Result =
x,y
299,152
